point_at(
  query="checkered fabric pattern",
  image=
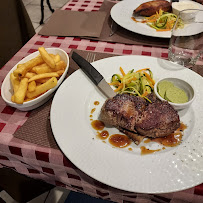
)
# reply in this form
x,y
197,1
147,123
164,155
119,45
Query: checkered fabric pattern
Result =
x,y
49,164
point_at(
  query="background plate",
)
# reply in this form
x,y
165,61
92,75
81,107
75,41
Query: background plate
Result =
x,y
122,12
168,170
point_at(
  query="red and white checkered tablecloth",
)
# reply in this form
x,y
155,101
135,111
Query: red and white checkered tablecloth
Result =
x,y
49,164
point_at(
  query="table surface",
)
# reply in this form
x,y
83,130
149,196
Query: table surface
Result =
x,y
49,164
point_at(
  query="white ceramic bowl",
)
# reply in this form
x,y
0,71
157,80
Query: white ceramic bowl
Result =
x,y
182,85
7,90
177,7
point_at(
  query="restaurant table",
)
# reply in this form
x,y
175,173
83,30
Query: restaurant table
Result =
x,y
48,163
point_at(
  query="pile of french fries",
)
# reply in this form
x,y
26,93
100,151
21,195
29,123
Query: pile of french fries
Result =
x,y
36,76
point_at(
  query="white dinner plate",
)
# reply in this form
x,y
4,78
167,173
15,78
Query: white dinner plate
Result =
x,y
122,12
173,169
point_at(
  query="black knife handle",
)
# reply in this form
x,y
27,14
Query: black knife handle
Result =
x,y
88,69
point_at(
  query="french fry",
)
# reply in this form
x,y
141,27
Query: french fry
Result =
x,y
27,99
19,65
32,86
43,80
46,57
56,57
52,82
60,72
19,96
36,76
38,83
12,98
22,69
61,65
43,68
29,75
43,75
15,82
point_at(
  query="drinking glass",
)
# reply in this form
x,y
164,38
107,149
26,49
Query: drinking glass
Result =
x,y
186,43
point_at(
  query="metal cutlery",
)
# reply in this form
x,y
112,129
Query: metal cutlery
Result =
x,y
90,57
113,27
93,74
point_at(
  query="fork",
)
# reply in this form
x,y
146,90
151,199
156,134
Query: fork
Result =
x,y
113,28
90,57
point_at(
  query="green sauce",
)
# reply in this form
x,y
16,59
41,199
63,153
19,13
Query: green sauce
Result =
x,y
163,86
171,93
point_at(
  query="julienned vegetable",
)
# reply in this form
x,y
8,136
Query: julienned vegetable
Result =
x,y
162,21
139,83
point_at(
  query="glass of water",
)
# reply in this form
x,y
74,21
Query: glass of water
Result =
x,y
186,43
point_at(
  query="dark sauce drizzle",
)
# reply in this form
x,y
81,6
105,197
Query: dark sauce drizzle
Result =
x,y
171,140
122,141
118,140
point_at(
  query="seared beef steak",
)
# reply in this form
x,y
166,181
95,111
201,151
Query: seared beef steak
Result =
x,y
136,117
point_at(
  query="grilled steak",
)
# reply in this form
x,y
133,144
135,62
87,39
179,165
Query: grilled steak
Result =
x,y
136,117
151,7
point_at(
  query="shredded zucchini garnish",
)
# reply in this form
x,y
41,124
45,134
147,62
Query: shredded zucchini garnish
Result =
x,y
138,83
162,21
